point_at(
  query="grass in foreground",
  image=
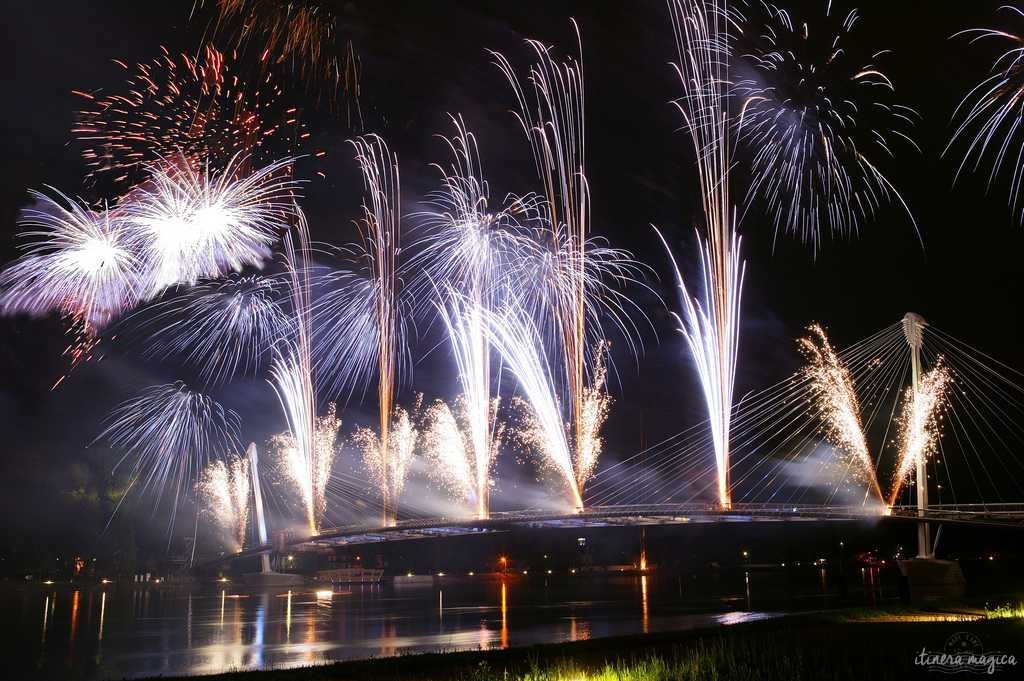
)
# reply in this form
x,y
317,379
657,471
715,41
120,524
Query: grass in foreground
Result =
x,y
813,648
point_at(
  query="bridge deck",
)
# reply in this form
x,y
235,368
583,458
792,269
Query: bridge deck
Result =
x,y
1002,515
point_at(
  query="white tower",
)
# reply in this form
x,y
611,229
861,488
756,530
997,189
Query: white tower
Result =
x,y
913,330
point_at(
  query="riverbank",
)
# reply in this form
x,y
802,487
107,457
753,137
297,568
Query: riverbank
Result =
x,y
851,644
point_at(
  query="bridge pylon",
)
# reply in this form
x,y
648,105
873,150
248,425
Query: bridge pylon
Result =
x,y
913,331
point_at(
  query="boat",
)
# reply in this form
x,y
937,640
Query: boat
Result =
x,y
350,575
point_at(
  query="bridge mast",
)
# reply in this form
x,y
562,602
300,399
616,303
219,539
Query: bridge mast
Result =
x,y
913,330
261,522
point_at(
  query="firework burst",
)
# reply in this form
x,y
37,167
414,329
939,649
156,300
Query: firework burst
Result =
x,y
552,117
921,424
80,263
224,328
178,105
224,491
190,225
820,116
297,33
836,403
170,433
989,118
377,331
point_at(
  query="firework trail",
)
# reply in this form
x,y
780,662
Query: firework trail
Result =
x,y
195,108
170,434
819,116
836,403
224,328
389,466
224,490
920,423
189,225
513,333
310,470
990,116
710,324
292,380
380,230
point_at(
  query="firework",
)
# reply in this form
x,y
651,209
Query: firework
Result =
x,y
299,33
552,118
190,225
378,252
920,424
990,117
178,105
595,410
467,252
820,117
310,470
388,467
170,433
80,263
514,335
710,324
837,405
224,328
224,489
448,446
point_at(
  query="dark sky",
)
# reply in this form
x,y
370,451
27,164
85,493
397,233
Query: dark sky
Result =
x,y
421,60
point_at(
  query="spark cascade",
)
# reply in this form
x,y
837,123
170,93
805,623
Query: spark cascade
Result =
x,y
710,322
190,224
168,432
513,333
989,119
225,328
596,403
835,401
224,491
310,471
921,424
820,118
389,468
447,445
194,108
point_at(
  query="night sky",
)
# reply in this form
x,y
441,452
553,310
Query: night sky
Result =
x,y
422,60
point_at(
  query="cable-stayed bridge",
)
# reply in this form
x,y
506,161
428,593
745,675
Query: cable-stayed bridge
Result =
x,y
850,438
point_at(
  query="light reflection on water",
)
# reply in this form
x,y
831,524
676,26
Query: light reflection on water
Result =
x,y
95,632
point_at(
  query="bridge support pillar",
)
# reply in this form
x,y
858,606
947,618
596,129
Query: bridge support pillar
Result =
x,y
913,331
